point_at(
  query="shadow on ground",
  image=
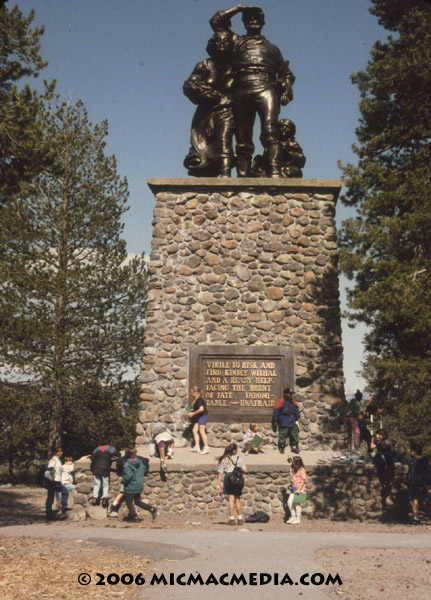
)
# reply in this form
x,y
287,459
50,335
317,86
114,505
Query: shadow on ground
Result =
x,y
21,506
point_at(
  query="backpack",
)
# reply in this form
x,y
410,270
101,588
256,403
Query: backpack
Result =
x,y
235,477
41,480
119,466
258,517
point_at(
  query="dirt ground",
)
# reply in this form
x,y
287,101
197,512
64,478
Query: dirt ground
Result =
x,y
31,570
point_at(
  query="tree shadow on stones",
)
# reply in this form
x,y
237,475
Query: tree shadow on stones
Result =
x,y
325,366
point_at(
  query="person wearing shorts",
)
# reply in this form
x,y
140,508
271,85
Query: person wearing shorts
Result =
x,y
198,418
227,463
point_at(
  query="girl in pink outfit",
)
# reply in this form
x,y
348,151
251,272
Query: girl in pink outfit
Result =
x,y
298,477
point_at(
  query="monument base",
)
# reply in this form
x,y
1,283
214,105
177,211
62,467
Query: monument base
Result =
x,y
334,490
241,265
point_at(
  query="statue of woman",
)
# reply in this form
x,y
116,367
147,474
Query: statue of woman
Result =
x,y
211,153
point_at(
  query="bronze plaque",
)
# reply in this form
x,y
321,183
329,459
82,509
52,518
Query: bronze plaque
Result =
x,y
241,383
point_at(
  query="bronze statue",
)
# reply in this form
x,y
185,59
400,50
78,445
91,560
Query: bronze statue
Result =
x,y
209,86
262,81
245,76
292,158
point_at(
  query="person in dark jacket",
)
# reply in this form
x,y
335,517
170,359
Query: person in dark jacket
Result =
x,y
384,462
101,460
285,417
352,414
135,470
418,479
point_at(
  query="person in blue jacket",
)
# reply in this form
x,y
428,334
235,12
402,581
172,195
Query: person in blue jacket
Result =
x,y
285,417
135,470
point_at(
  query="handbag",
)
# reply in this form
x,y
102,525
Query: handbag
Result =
x,y
235,477
300,497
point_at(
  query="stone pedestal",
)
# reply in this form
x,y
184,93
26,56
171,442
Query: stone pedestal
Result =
x,y
244,263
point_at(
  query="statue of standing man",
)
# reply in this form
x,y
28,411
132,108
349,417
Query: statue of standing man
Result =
x,y
262,81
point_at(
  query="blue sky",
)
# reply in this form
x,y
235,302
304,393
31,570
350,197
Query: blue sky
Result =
x,y
127,60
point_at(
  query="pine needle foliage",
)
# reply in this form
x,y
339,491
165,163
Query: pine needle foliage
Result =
x,y
386,247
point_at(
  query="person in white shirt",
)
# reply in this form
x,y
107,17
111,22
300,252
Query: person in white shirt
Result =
x,y
53,476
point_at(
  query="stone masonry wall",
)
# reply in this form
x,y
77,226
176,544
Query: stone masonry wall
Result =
x,y
333,491
247,262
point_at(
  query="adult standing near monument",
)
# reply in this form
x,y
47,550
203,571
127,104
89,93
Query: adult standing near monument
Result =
x,y
418,479
262,81
53,476
198,418
352,414
285,417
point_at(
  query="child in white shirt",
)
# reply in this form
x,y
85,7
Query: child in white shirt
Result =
x,y
68,475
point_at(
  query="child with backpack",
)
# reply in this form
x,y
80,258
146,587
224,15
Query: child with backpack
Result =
x,y
230,469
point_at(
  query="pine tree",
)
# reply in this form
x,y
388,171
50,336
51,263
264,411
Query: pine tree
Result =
x,y
22,147
386,248
23,153
75,306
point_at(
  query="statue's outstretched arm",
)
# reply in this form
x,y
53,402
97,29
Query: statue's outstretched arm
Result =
x,y
221,20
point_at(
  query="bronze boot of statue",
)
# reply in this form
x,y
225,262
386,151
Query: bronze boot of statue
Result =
x,y
274,159
225,167
243,166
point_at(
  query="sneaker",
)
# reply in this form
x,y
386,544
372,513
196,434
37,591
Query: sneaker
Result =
x,y
281,449
153,512
170,453
95,501
163,466
231,522
295,450
291,520
205,450
131,519
416,521
113,508
294,521
105,502
194,449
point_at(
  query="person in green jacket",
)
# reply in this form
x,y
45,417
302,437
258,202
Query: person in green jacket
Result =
x,y
135,469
